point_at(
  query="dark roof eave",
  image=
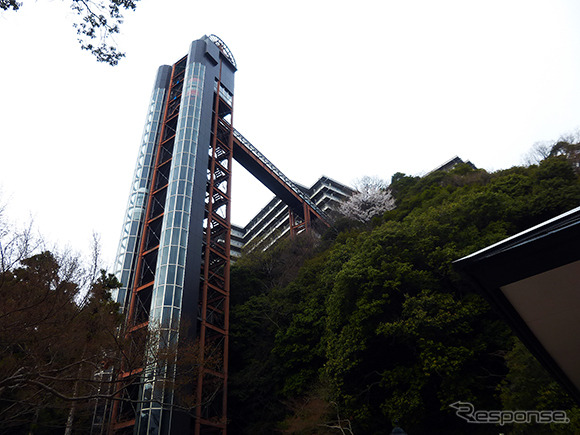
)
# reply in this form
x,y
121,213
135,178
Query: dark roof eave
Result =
x,y
551,244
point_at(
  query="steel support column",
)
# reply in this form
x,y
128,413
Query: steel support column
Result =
x,y
211,385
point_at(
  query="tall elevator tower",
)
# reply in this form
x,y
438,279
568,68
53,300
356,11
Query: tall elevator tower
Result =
x,y
174,253
173,257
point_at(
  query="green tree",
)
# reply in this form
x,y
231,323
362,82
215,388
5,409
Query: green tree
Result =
x,y
377,324
263,305
527,385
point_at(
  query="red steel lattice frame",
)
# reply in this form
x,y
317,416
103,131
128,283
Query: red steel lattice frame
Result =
x,y
210,387
158,191
211,391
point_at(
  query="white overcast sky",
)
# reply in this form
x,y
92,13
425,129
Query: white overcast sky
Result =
x,y
342,89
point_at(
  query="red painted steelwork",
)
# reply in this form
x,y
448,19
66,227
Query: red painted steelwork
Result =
x,y
138,285
211,388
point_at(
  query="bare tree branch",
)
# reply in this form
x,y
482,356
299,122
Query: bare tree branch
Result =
x,y
97,23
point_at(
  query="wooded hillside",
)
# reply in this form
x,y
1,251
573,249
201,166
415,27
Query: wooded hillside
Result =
x,y
370,325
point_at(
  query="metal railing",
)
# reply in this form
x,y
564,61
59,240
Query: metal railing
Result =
x,y
261,157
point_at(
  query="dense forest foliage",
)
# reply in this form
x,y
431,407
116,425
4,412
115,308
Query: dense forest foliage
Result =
x,y
56,325
369,326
